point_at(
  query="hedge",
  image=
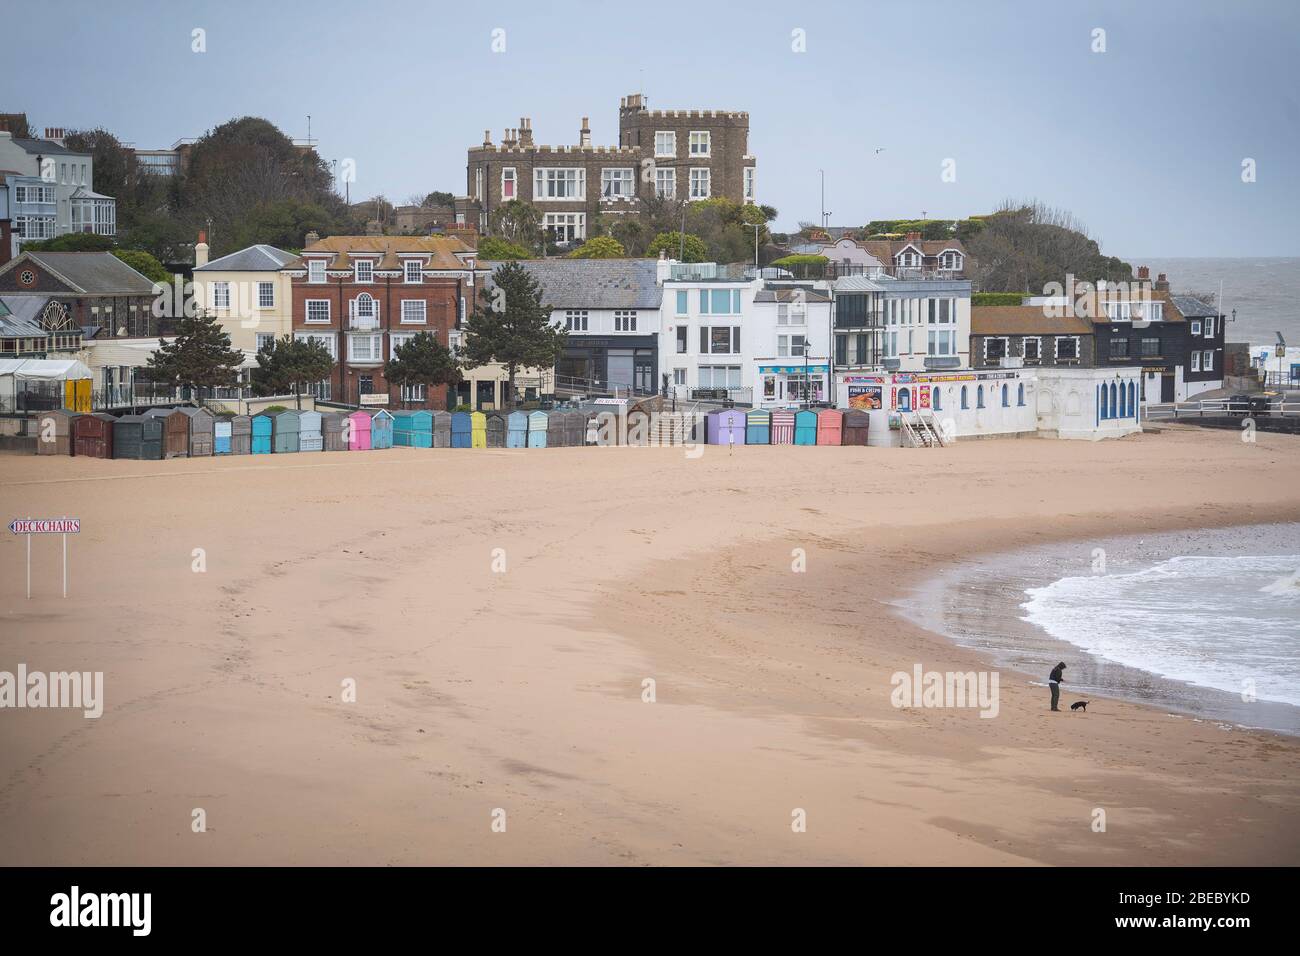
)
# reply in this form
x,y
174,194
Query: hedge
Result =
x,y
997,298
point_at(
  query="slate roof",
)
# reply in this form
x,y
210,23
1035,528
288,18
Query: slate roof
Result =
x,y
787,294
1024,320
595,283
258,258
25,309
1192,307
45,147
89,273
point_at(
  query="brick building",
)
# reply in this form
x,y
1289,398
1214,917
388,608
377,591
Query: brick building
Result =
x,y
362,296
682,154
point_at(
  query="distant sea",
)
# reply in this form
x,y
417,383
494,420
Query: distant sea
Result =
x,y
1264,291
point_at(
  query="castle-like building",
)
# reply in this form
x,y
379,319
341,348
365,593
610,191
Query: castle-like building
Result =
x,y
682,154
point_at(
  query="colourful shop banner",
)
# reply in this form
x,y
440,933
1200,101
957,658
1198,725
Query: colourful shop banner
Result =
x,y
792,369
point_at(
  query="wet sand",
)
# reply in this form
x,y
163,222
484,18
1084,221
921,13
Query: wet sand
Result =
x,y
521,690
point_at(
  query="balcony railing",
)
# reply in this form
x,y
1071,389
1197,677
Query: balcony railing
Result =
x,y
363,323
842,270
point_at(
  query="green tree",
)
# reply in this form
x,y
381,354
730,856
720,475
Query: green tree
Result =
x,y
671,243
493,248
511,326
599,247
145,264
437,198
290,364
282,222
423,361
199,356
516,221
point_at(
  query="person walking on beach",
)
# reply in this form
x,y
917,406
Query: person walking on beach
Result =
x,y
1054,682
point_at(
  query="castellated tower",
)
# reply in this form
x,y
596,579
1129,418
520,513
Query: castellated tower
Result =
x,y
686,154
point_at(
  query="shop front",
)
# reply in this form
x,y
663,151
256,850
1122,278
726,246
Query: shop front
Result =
x,y
783,386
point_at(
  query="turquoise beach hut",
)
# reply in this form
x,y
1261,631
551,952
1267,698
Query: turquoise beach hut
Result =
x,y
262,434
402,429
805,427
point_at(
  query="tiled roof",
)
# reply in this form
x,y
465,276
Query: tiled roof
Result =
x,y
441,250
259,258
90,273
595,283
1023,320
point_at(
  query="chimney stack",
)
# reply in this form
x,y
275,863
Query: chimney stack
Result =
x,y
1162,283
201,250
525,131
313,237
1144,272
487,137
584,134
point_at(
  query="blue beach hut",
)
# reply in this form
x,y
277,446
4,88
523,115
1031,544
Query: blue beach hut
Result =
x,y
517,430
381,430
537,424
461,430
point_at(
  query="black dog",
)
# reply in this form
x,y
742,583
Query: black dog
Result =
x,y
1080,705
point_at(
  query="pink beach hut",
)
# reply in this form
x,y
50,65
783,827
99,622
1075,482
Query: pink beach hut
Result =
x,y
360,440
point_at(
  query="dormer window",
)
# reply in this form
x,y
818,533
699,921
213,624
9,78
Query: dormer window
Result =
x,y
364,270
909,259
951,261
414,270
316,270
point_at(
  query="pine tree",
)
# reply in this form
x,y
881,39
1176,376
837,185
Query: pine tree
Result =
x,y
512,327
199,356
422,361
291,364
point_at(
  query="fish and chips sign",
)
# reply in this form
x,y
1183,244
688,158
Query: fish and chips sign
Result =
x,y
30,526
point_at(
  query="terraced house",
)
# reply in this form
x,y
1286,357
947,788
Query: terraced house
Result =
x,y
682,154
362,296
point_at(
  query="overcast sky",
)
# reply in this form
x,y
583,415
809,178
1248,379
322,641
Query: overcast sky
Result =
x,y
1144,142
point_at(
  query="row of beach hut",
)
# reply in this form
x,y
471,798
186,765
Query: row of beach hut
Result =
x,y
195,432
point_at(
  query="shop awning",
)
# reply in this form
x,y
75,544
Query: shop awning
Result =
x,y
792,369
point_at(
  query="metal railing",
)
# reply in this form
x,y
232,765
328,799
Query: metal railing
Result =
x,y
1219,407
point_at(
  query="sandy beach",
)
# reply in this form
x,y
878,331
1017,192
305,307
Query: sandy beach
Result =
x,y
500,611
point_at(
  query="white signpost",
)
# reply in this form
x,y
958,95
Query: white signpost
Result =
x,y
30,526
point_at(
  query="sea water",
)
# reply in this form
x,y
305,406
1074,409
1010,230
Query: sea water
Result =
x,y
1230,623
1201,623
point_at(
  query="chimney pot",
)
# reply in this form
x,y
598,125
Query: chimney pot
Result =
x,y
1144,272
